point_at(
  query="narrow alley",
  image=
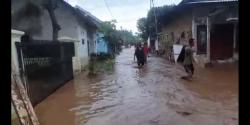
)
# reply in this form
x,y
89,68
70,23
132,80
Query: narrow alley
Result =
x,y
153,95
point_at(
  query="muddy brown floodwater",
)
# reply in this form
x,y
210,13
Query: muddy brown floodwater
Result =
x,y
153,95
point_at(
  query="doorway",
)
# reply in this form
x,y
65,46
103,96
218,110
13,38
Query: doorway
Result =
x,y
221,41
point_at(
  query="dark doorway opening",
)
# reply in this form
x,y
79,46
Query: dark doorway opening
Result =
x,y
201,39
221,41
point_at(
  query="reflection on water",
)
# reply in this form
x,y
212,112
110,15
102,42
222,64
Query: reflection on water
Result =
x,y
153,95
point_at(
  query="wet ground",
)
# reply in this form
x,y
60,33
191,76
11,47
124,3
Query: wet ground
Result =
x,y
153,95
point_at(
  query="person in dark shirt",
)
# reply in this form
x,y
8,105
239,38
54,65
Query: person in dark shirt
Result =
x,y
139,54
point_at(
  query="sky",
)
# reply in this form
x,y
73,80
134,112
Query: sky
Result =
x,y
126,12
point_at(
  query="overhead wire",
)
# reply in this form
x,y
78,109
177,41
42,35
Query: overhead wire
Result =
x,y
107,6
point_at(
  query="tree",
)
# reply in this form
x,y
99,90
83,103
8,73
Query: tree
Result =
x,y
143,28
116,37
111,35
146,26
50,6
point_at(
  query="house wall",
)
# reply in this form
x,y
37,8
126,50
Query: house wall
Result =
x,y
200,17
71,27
91,37
64,15
188,21
101,45
83,46
15,37
182,23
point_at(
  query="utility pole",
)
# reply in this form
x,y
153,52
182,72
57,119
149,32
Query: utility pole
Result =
x,y
156,29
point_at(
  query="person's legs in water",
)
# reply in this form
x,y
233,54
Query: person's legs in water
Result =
x,y
190,70
138,63
142,63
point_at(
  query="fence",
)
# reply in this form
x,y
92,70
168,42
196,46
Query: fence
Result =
x,y
46,65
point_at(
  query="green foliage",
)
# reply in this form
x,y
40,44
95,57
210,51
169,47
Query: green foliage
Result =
x,y
146,26
143,28
101,66
117,37
128,37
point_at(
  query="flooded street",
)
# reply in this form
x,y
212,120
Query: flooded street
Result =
x,y
153,95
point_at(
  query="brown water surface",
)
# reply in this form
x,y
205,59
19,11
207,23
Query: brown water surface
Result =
x,y
153,95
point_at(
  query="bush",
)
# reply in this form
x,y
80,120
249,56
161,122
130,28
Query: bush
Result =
x,y
100,63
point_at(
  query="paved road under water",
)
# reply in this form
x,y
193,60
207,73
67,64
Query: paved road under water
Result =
x,y
153,95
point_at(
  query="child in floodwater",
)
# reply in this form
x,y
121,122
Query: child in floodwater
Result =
x,y
139,54
189,60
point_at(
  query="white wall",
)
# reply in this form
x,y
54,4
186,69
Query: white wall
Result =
x,y
66,20
15,37
70,27
83,47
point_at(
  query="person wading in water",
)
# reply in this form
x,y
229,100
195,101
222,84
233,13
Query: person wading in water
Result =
x,y
186,59
139,54
189,60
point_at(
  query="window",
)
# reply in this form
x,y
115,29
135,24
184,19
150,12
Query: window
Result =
x,y
83,41
201,39
183,35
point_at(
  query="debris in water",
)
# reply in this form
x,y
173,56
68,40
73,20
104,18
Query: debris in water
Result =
x,y
184,113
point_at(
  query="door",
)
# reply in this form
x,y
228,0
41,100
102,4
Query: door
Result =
x,y
221,41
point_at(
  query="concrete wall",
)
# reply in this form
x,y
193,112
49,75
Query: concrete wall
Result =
x,y
101,44
71,27
91,34
83,46
64,15
182,23
15,37
188,20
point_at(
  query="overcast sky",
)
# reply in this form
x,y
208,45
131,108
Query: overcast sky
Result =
x,y
126,12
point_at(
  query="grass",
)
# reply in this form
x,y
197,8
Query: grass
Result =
x,y
101,66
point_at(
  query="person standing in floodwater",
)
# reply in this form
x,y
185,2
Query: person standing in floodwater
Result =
x,y
189,59
139,54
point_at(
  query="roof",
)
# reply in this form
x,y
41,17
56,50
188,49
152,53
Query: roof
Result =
x,y
88,14
84,15
186,4
205,1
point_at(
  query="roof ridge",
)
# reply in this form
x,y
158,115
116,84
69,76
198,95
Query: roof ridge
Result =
x,y
88,13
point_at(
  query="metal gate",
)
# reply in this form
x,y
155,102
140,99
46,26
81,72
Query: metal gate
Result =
x,y
45,66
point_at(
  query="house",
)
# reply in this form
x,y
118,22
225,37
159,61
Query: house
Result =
x,y
77,25
101,44
212,23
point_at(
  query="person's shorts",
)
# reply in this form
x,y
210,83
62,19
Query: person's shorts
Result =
x,y
189,68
